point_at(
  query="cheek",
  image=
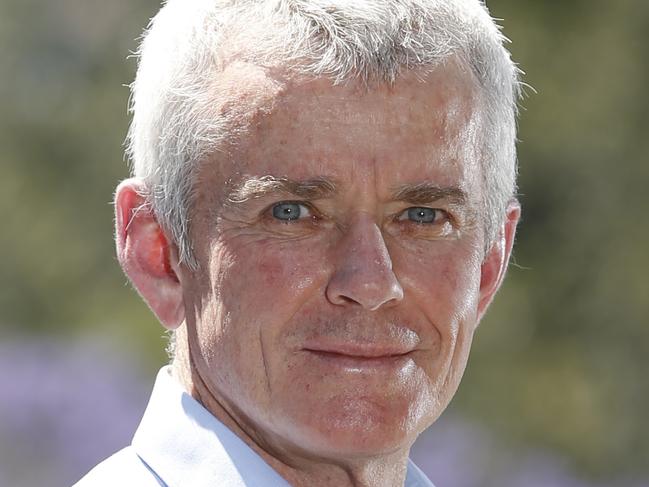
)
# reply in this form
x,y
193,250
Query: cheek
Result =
x,y
252,290
444,287
263,284
281,271
272,274
445,283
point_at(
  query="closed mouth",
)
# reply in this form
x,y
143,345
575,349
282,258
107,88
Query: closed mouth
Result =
x,y
363,355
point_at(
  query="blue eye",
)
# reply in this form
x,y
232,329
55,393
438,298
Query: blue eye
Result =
x,y
290,210
418,214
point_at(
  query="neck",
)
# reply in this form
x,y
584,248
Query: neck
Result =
x,y
299,469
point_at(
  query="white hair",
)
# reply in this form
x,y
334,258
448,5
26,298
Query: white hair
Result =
x,y
174,123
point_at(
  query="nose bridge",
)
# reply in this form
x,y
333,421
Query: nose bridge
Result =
x,y
369,239
363,274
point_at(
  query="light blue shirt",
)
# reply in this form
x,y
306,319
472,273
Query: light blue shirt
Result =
x,y
180,444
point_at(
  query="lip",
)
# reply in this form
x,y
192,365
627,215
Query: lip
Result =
x,y
360,351
357,355
374,362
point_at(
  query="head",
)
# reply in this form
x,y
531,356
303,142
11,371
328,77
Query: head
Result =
x,y
323,207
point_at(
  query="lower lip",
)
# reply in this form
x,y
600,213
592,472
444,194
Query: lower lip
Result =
x,y
352,362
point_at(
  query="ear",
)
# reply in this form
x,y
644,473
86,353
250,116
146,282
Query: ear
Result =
x,y
495,263
145,254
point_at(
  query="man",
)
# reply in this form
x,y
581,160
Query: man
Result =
x,y
322,210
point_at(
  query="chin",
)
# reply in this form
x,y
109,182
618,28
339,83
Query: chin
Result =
x,y
357,427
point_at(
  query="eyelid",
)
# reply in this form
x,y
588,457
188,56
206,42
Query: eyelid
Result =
x,y
310,210
403,214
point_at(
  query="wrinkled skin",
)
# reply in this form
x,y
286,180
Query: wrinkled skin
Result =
x,y
330,328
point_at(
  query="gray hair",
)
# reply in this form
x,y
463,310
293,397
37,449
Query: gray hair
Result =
x,y
175,125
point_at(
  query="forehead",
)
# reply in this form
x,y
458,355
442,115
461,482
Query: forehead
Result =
x,y
424,125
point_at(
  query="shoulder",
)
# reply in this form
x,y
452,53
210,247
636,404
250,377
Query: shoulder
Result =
x,y
124,468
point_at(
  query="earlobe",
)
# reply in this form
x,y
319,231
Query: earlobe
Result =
x,y
495,263
146,255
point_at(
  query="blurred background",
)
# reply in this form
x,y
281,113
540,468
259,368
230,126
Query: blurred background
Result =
x,y
557,389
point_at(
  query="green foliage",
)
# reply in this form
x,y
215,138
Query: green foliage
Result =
x,y
560,360
562,357
64,114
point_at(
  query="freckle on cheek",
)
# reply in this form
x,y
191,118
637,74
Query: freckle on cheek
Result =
x,y
449,276
270,269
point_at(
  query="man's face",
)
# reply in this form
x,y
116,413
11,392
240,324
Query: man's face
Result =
x,y
336,300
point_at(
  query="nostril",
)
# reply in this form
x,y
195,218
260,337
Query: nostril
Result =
x,y
346,300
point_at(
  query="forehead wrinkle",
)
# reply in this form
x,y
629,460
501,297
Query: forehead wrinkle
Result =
x,y
258,187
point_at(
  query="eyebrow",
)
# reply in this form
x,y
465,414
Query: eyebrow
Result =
x,y
323,187
258,187
426,193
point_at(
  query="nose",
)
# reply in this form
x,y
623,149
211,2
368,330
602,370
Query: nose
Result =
x,y
363,274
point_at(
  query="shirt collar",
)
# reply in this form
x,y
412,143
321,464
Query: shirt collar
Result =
x,y
184,444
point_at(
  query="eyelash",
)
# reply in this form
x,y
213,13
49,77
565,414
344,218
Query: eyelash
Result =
x,y
436,214
402,217
312,215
